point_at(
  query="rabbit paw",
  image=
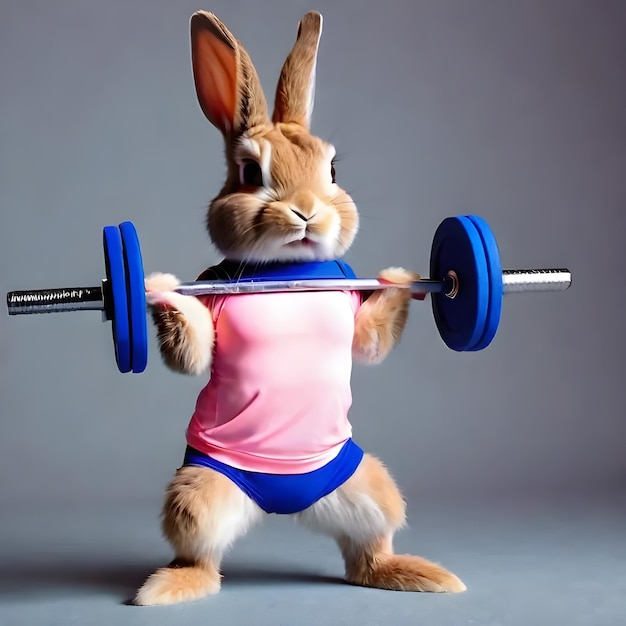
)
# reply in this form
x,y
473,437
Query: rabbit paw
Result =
x,y
400,276
158,281
160,290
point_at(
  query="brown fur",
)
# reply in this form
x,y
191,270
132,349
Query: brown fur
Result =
x,y
293,92
197,504
171,330
184,325
227,85
203,513
299,171
374,480
374,566
381,319
174,584
372,563
363,516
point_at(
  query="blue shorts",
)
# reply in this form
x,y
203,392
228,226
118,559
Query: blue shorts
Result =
x,y
286,493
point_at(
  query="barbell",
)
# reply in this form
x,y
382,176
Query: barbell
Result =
x,y
466,284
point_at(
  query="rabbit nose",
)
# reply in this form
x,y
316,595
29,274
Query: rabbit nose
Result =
x,y
302,217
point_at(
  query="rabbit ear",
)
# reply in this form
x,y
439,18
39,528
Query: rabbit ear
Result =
x,y
228,87
295,91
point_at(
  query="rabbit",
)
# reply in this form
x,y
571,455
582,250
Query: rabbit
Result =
x,y
270,432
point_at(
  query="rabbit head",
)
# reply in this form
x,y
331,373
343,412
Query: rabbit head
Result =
x,y
280,201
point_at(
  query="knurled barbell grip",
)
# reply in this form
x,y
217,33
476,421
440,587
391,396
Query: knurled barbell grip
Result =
x,y
56,300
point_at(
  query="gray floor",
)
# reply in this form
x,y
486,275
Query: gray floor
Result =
x,y
525,561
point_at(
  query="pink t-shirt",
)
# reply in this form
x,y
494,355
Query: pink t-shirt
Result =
x,y
279,393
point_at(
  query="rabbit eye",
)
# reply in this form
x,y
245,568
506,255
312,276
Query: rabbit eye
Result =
x,y
332,170
250,173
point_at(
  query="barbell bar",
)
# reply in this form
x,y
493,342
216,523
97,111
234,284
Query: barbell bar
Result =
x,y
467,285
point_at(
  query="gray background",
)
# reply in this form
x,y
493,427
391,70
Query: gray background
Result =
x,y
513,110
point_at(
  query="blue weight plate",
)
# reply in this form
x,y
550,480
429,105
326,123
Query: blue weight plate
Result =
x,y
494,269
116,280
457,246
136,297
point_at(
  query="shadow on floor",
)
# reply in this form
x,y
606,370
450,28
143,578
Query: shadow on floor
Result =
x,y
126,577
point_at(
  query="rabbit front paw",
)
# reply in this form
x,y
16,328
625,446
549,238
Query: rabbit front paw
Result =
x,y
157,281
398,275
160,292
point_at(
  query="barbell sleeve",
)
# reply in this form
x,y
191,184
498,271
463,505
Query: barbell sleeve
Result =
x,y
517,281
93,298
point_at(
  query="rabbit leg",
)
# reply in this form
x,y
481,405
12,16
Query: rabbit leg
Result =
x,y
362,516
203,513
